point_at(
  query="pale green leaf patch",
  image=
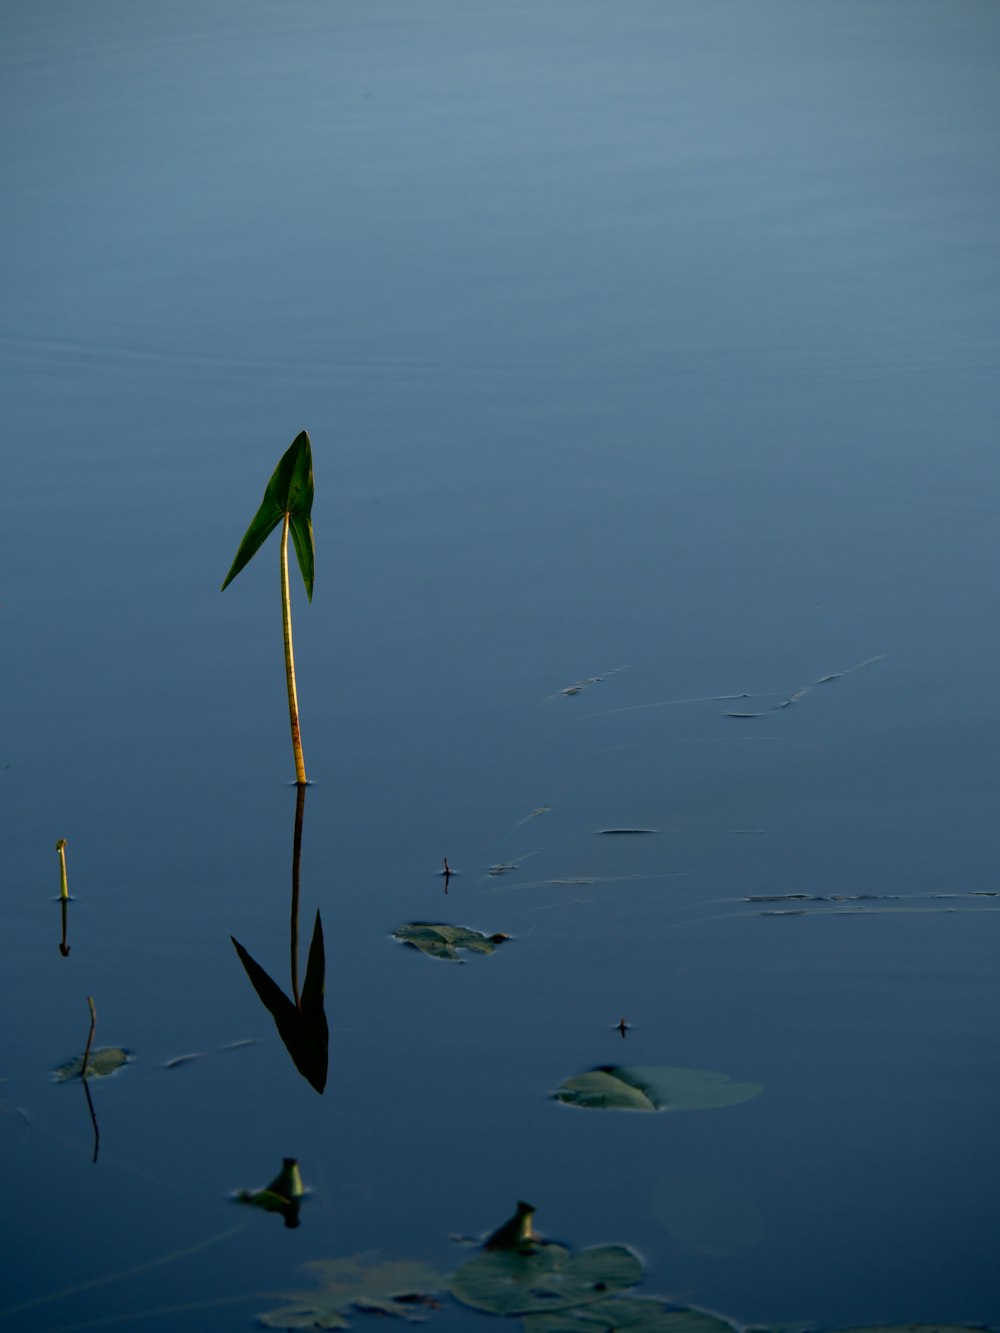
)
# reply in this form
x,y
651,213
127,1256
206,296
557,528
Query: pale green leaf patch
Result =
x,y
101,1063
361,1282
653,1088
442,941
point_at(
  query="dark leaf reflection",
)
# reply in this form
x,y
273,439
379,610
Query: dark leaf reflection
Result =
x,y
301,1020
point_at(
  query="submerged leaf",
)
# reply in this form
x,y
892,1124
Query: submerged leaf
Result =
x,y
360,1282
654,1088
548,1277
441,941
289,491
626,1314
100,1064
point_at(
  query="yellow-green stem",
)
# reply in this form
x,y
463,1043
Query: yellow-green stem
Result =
x,y
286,617
63,881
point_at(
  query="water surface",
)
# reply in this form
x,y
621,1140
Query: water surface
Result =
x,y
660,337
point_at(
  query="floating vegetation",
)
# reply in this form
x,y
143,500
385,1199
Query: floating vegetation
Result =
x,y
533,814
175,1062
803,690
363,1283
102,1063
517,1273
544,1277
867,904
653,1088
627,1314
179,1060
669,703
283,1195
579,686
442,941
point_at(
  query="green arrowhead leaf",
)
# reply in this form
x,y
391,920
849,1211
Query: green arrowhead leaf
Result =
x,y
654,1088
289,491
305,551
510,1282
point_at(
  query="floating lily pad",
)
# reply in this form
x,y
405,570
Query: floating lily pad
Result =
x,y
626,1314
653,1088
359,1283
547,1278
102,1062
440,941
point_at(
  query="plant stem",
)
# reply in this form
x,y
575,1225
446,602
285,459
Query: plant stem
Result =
x,y
63,881
293,702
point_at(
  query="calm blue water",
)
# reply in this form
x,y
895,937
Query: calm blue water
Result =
x,y
659,335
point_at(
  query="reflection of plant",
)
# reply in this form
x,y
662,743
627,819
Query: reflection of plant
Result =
x,y
287,500
302,1027
301,1021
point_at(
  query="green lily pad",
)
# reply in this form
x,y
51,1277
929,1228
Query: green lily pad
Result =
x,y
653,1088
359,1283
440,941
626,1314
548,1278
102,1062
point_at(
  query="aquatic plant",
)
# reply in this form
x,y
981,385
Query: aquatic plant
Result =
x,y
287,500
